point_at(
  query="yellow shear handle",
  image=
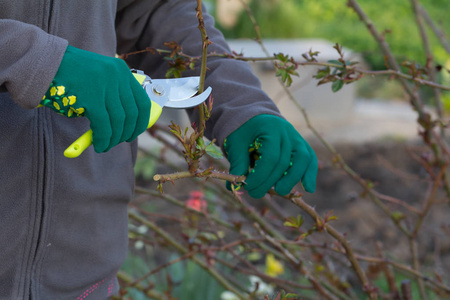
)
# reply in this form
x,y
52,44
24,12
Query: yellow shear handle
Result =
x,y
84,141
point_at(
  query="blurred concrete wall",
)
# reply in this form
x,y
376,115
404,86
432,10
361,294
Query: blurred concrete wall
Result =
x,y
339,117
322,105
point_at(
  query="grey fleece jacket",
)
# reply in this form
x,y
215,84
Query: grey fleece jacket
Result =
x,y
63,222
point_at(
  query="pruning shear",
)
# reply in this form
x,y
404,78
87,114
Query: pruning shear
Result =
x,y
174,93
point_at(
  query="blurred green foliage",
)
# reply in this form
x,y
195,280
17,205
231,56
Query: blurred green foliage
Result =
x,y
334,21
188,280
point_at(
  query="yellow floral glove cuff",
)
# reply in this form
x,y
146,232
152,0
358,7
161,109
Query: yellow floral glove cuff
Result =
x,y
62,102
102,89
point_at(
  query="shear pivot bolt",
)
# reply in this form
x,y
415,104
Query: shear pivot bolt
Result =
x,y
158,90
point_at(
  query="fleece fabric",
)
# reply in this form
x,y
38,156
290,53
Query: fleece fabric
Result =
x,y
63,222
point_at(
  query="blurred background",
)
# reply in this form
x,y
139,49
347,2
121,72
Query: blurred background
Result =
x,y
294,27
373,108
370,123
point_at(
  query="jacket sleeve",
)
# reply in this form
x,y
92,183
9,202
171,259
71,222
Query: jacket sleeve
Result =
x,y
236,91
29,60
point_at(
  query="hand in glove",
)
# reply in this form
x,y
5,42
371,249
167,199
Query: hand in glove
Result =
x,y
105,91
283,157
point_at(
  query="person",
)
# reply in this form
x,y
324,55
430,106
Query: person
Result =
x,y
64,221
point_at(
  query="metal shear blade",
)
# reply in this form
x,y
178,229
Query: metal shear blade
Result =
x,y
176,93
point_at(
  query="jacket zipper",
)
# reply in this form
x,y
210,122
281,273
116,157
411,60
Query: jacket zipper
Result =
x,y
40,204
41,194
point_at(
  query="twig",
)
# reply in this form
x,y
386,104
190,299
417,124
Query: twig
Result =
x,y
376,260
152,294
161,178
297,263
429,66
163,266
397,201
278,281
429,201
390,57
424,118
183,250
437,31
341,239
390,278
218,220
178,203
406,290
388,72
405,269
416,265
205,43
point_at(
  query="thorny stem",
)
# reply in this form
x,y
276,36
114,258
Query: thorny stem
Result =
x,y
415,100
390,277
309,209
416,103
416,265
412,241
175,201
388,72
261,224
152,294
429,201
359,257
437,31
166,236
414,97
331,148
348,251
429,66
161,178
248,271
205,43
405,269
338,158
163,266
297,263
242,207
376,260
342,240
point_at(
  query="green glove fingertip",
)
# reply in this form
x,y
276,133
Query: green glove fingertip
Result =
x,y
278,141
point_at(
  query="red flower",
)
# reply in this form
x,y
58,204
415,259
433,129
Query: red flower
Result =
x,y
196,201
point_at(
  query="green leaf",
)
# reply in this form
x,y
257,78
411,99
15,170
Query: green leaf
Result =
x,y
291,296
213,151
295,222
332,218
200,143
337,85
254,256
285,76
323,72
336,62
397,216
281,57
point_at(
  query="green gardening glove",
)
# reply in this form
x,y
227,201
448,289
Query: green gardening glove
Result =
x,y
104,90
271,153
